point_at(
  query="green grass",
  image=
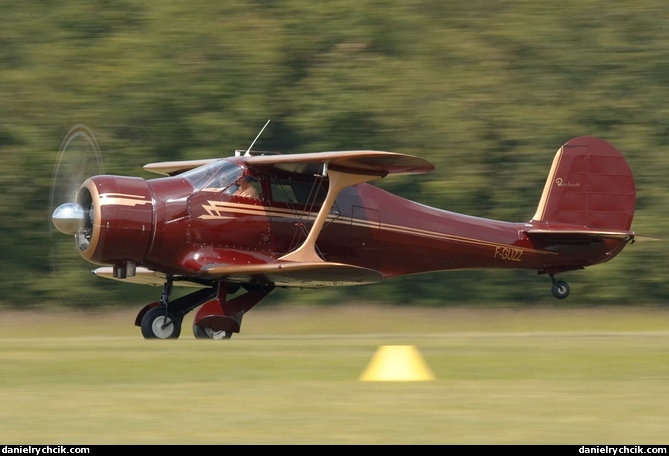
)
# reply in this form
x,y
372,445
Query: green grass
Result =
x,y
503,376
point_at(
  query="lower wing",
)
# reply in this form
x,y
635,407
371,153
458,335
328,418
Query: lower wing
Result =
x,y
281,274
296,274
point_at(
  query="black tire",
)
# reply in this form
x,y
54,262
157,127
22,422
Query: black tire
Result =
x,y
560,289
153,321
207,333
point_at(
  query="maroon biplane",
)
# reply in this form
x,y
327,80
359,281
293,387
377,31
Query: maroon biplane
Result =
x,y
313,220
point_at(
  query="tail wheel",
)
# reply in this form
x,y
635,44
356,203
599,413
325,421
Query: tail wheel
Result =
x,y
560,289
159,323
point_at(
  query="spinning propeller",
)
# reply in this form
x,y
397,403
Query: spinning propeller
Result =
x,y
78,159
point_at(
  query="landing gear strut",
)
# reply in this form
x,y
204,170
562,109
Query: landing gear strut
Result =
x,y
219,317
560,288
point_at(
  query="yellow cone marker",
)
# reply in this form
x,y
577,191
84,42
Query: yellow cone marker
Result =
x,y
402,363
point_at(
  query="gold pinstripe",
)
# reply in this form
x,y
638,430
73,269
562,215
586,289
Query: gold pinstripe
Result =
x,y
122,199
216,210
545,195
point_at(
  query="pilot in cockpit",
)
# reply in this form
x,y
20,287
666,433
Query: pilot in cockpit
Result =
x,y
245,188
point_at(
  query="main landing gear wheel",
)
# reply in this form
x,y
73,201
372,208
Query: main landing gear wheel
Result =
x,y
207,333
160,324
560,289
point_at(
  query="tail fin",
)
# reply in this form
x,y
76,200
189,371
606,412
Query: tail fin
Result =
x,y
590,184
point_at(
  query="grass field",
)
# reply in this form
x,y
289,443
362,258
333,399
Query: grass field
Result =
x,y
503,376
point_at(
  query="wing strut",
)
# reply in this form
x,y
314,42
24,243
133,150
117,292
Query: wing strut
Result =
x,y
338,181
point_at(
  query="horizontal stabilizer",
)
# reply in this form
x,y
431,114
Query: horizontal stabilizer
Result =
x,y
556,235
296,274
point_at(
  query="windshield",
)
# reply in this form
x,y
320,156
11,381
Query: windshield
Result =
x,y
219,174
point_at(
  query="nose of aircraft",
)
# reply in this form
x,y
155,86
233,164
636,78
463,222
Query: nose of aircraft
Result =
x,y
68,218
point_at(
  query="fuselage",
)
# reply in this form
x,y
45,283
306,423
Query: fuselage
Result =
x,y
177,225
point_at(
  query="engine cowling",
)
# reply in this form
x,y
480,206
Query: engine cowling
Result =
x,y
117,223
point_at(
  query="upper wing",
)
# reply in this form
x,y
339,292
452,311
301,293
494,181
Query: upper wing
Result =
x,y
172,168
369,162
372,162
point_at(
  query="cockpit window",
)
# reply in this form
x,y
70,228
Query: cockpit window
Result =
x,y
297,192
220,174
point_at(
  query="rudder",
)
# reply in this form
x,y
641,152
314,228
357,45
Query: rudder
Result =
x,y
591,185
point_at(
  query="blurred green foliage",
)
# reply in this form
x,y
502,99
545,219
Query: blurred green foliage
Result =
x,y
487,90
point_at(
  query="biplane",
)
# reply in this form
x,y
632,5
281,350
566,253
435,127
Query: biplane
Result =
x,y
315,220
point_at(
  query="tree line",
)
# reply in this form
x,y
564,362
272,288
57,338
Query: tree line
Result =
x,y
488,91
